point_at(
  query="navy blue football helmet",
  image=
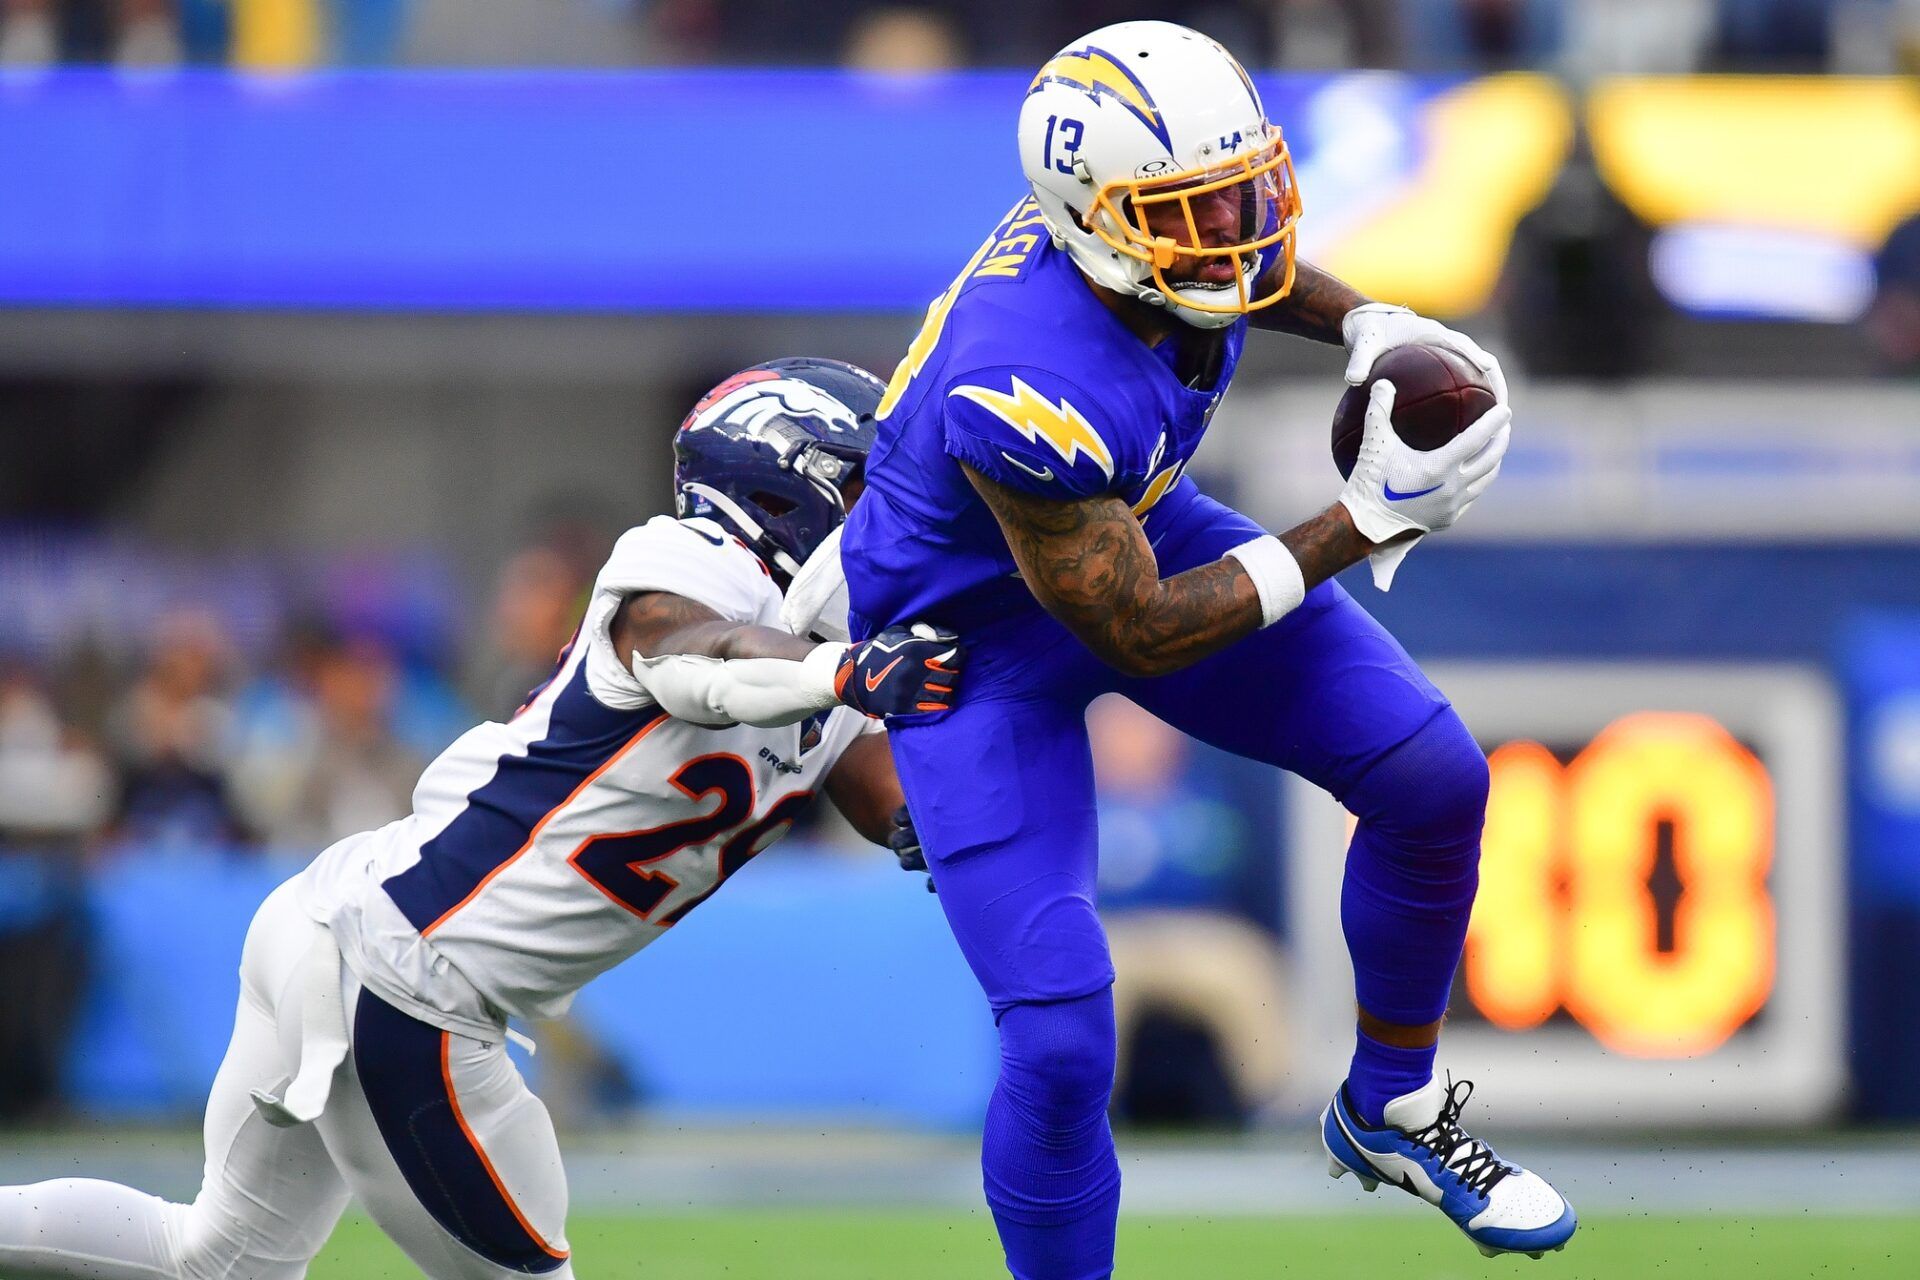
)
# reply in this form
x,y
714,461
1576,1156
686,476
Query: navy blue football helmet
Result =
x,y
773,453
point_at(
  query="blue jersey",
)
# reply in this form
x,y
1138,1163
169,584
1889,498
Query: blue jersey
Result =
x,y
1023,374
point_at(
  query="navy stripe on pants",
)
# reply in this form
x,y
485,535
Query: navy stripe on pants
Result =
x,y
403,1073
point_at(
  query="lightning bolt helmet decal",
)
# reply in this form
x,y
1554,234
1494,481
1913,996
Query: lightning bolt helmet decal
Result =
x,y
1102,74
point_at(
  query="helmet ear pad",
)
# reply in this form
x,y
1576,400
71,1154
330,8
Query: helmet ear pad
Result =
x,y
794,521
1096,261
772,504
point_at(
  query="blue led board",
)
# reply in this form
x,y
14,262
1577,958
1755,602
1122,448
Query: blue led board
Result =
x,y
459,191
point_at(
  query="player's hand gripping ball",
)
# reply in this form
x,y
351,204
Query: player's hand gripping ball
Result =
x,y
1400,489
1438,393
902,671
1373,329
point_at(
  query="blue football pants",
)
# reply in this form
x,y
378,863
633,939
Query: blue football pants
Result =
x,y
1002,794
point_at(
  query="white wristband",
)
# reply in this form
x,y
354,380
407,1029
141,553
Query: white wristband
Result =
x,y
1276,576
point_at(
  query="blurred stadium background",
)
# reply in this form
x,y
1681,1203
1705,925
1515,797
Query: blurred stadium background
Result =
x,y
339,338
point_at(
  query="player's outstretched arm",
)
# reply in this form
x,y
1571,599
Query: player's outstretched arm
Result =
x,y
865,789
658,623
863,785
707,669
1089,563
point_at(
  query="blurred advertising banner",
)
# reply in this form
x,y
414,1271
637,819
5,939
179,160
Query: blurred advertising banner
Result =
x,y
695,191
1658,936
811,190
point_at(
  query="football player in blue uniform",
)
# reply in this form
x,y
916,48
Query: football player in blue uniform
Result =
x,y
1028,490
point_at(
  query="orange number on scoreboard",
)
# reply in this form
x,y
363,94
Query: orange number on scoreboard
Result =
x,y
1514,968
1566,917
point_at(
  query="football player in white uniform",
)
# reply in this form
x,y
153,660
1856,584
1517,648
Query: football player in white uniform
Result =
x,y
681,733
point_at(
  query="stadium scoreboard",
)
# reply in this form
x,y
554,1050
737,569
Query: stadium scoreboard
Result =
x,y
1658,932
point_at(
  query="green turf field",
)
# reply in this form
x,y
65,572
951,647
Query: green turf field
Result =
x,y
847,1245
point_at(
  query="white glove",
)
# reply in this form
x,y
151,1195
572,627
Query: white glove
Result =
x,y
1396,489
1374,329
816,603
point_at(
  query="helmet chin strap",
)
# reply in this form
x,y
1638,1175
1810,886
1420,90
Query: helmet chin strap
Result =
x,y
1198,319
1148,293
1203,319
1133,283
755,533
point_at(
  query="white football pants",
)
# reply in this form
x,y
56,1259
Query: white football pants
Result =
x,y
492,1198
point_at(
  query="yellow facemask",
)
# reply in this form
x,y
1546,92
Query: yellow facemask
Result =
x,y
1261,186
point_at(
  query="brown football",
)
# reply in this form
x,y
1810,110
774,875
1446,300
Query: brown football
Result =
x,y
1437,395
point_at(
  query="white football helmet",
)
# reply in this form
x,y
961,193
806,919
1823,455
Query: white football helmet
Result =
x,y
1135,135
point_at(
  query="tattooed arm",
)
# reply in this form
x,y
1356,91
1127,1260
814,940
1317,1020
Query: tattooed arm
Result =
x,y
1314,308
1088,562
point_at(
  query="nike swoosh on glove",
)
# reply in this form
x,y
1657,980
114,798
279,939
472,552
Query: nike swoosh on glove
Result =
x,y
902,671
1396,489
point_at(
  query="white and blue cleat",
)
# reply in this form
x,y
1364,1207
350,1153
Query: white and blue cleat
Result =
x,y
1421,1148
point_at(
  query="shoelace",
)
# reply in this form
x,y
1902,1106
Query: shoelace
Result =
x,y
1470,1159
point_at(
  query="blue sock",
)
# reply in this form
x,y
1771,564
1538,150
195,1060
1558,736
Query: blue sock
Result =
x,y
1080,1250
1382,1072
1412,871
1052,1179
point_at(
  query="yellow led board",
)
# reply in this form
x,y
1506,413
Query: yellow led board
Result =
x,y
1830,156
1658,924
1438,241
1566,918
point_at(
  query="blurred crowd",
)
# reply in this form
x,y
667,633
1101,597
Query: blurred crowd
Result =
x,y
1573,36
276,720
197,732
192,735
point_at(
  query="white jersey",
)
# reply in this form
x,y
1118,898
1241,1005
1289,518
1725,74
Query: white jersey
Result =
x,y
543,851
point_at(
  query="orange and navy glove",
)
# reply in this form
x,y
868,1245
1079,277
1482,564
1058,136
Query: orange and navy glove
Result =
x,y
901,671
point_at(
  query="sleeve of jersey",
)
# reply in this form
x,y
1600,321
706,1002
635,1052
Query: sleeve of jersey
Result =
x,y
1036,432
666,555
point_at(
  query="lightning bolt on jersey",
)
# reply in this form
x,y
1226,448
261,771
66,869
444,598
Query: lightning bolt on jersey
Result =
x,y
545,850
1024,375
